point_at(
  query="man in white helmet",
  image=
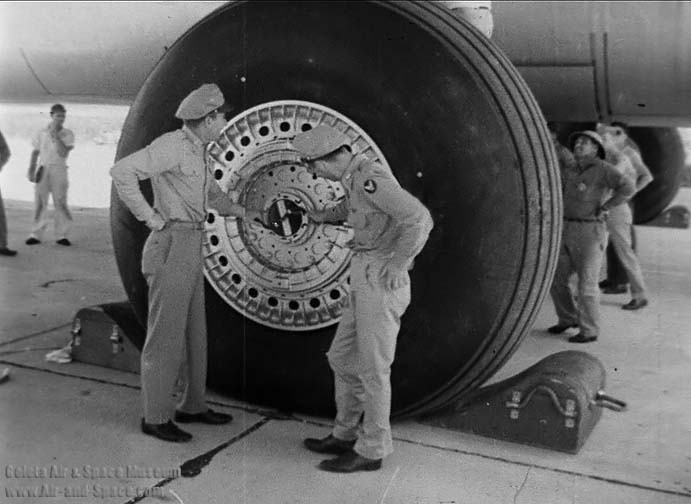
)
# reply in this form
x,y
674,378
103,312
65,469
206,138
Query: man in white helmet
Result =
x,y
591,188
390,228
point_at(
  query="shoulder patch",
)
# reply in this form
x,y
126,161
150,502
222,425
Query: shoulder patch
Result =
x,y
370,186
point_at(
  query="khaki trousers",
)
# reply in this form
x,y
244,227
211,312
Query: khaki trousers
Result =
x,y
361,355
619,227
54,181
176,324
582,252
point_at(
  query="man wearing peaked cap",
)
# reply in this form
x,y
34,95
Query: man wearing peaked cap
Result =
x,y
200,102
390,228
320,141
172,260
590,189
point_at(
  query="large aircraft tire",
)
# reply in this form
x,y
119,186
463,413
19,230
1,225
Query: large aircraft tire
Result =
x,y
663,151
460,130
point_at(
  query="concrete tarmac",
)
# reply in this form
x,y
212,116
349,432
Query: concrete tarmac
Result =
x,y
69,433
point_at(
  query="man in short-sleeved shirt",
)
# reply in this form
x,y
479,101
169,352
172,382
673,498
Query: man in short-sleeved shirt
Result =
x,y
390,228
591,188
51,145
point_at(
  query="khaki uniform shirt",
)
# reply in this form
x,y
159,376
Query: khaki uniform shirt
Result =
x,y
48,151
176,166
586,188
385,217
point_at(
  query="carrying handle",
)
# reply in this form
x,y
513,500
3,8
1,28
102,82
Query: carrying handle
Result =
x,y
604,401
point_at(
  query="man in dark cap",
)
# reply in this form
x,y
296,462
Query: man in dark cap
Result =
x,y
172,260
590,189
390,228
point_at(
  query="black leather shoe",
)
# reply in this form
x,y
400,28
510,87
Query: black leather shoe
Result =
x,y
329,444
350,462
616,289
166,431
32,241
7,252
581,338
208,417
64,241
635,304
558,329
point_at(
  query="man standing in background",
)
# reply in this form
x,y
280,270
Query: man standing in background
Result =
x,y
622,264
590,189
4,156
51,147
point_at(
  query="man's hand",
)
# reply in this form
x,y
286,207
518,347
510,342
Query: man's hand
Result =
x,y
602,210
254,216
156,222
393,276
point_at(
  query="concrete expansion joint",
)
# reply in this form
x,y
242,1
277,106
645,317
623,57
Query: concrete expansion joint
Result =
x,y
33,335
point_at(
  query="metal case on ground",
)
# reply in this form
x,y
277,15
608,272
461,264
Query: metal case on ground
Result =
x,y
98,339
553,404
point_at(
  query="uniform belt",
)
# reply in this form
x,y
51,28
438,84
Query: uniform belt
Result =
x,y
569,219
186,224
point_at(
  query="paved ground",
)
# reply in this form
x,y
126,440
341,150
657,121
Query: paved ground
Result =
x,y
84,418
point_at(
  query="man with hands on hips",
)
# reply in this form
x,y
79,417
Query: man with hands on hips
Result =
x,y
172,265
390,228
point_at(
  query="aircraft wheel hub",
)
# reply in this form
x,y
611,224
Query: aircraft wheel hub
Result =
x,y
289,273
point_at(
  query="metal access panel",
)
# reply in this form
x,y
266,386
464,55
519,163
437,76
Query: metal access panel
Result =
x,y
98,339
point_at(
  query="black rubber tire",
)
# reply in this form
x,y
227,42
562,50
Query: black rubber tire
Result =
x,y
460,130
663,151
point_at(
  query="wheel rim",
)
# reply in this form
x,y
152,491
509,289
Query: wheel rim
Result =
x,y
293,273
